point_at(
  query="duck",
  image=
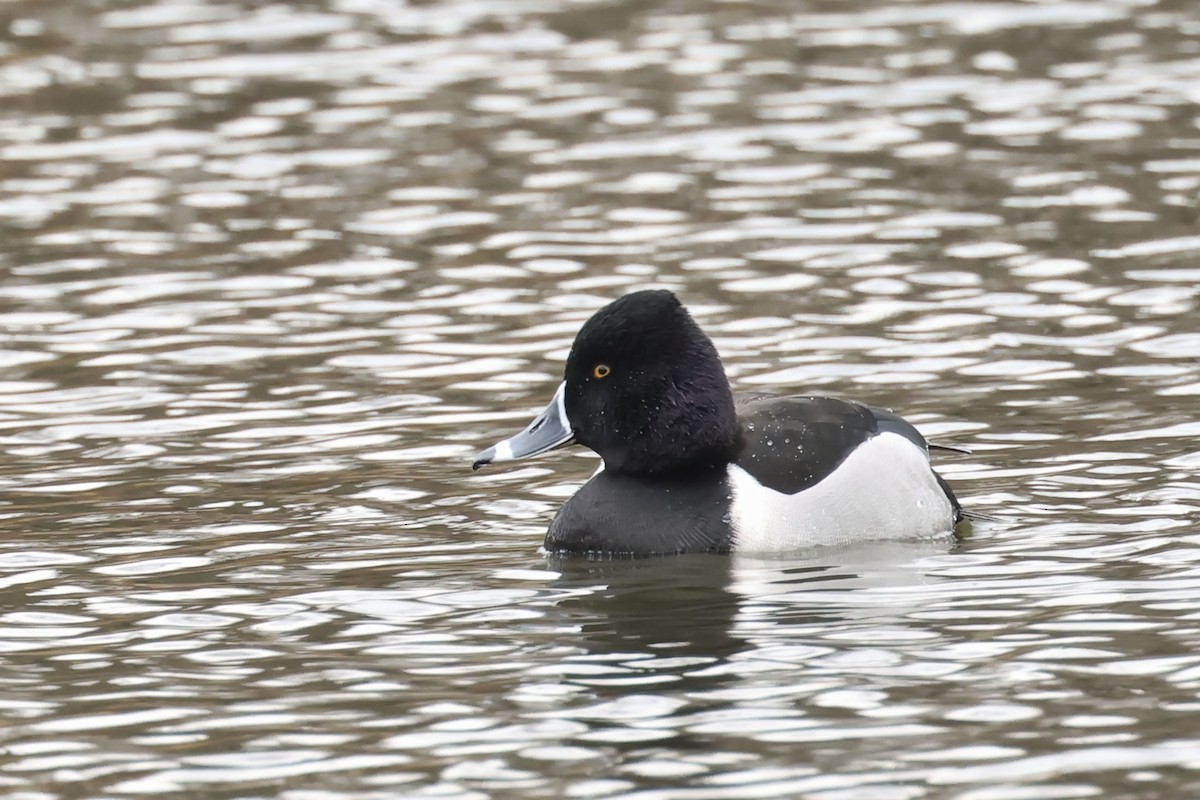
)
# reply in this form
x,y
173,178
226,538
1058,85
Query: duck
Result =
x,y
687,467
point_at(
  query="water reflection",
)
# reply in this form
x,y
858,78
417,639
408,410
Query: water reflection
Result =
x,y
666,618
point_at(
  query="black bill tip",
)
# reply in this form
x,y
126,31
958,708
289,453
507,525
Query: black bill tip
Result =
x,y
483,459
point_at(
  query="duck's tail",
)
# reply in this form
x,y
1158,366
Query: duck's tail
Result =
x,y
979,516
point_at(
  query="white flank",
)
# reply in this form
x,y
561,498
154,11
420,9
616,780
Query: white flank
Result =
x,y
884,490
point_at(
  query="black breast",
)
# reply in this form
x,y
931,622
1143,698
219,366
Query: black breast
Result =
x,y
623,515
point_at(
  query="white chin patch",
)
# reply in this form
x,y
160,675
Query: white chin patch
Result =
x,y
884,490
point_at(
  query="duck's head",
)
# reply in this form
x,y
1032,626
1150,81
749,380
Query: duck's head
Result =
x,y
643,387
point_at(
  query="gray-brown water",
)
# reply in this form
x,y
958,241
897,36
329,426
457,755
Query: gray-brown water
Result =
x,y
272,273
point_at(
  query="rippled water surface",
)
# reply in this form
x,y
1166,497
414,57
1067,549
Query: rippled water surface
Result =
x,y
272,273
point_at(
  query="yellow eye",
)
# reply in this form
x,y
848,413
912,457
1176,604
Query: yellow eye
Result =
x,y
600,371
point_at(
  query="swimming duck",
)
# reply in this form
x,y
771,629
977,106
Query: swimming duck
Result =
x,y
687,468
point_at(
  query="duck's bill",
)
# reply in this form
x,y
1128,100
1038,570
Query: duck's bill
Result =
x,y
548,431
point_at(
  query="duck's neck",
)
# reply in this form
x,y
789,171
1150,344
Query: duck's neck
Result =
x,y
691,432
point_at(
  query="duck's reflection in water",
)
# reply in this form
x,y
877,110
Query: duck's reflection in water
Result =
x,y
674,607
688,618
834,583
